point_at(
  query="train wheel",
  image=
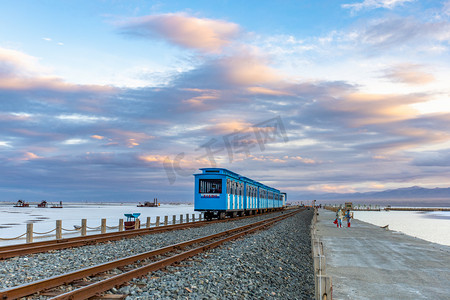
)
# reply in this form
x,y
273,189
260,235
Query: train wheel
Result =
x,y
208,216
221,215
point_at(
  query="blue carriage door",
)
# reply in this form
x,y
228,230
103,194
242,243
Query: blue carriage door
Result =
x,y
228,192
265,198
254,196
260,199
255,203
242,196
247,196
277,203
233,192
251,197
239,195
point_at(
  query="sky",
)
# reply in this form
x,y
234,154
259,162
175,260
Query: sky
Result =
x,y
124,100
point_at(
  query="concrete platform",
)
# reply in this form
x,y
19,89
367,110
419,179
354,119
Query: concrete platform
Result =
x,y
368,262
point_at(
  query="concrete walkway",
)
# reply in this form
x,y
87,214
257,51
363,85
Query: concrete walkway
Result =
x,y
368,262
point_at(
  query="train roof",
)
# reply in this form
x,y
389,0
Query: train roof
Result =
x,y
222,171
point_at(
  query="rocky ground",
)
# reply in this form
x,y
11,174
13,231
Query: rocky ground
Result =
x,y
272,264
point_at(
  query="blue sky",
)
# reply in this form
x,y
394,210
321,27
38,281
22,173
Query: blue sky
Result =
x,y
124,100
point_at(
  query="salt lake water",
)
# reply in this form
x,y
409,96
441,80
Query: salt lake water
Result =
x,y
433,226
13,220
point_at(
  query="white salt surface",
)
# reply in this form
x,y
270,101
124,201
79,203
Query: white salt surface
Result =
x,y
430,226
13,220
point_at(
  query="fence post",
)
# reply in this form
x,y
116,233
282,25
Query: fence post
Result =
x,y
166,220
103,227
120,224
181,219
174,220
187,218
83,227
157,221
137,224
148,222
29,232
193,217
58,229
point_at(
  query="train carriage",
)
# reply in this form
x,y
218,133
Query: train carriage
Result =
x,y
220,192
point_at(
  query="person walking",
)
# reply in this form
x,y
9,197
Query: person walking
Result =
x,y
339,216
349,217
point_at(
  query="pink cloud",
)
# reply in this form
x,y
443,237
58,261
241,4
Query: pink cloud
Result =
x,y
249,69
206,35
410,74
22,72
267,91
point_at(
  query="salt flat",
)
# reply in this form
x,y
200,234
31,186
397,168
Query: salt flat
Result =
x,y
13,220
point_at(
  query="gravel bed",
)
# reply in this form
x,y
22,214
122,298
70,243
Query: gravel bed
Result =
x,y
24,269
270,264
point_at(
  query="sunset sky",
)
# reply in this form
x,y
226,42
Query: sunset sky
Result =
x,y
125,100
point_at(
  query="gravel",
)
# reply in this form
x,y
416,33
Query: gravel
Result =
x,y
270,264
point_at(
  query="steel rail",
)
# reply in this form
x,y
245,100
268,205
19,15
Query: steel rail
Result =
x,y
34,287
107,284
43,246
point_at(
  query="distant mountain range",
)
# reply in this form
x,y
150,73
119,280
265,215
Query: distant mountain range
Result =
x,y
411,195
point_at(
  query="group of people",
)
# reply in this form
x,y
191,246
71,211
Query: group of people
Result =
x,y
340,215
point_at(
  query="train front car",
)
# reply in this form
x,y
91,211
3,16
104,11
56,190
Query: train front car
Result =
x,y
218,193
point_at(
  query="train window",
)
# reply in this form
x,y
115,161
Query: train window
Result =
x,y
213,186
228,186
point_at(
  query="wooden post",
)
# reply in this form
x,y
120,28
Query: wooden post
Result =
x,y
148,223
166,220
187,218
103,227
157,221
137,224
29,232
174,219
181,219
323,287
193,217
58,229
120,224
83,227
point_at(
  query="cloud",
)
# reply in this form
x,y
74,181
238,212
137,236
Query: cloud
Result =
x,y
373,4
409,74
205,35
399,32
22,72
75,141
238,70
267,91
30,156
439,159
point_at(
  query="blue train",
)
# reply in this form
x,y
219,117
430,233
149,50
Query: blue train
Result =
x,y
221,192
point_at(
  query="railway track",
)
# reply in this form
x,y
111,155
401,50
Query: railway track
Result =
x,y
44,246
103,277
